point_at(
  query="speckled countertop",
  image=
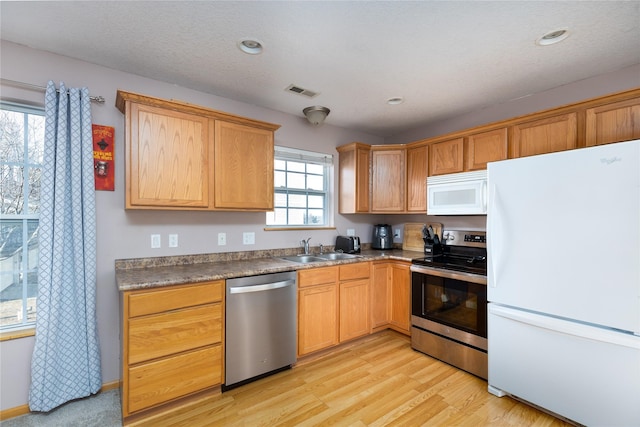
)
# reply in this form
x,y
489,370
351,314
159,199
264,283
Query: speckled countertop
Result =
x,y
141,273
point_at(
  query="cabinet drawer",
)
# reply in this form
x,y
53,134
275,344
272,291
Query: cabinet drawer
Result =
x,y
317,276
359,270
149,302
161,335
165,379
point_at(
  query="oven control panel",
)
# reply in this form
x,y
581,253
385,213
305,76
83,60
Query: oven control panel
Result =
x,y
465,238
475,238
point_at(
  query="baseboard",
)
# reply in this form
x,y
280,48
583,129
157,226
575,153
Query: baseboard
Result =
x,y
5,414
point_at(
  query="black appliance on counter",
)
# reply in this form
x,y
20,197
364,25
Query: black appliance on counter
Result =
x,y
382,237
348,244
449,301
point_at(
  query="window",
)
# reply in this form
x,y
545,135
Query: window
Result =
x,y
301,181
21,153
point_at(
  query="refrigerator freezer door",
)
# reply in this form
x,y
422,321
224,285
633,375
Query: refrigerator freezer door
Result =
x,y
563,234
583,373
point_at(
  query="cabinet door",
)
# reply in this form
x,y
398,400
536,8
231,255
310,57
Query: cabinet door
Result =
x,y
615,122
545,136
446,157
317,318
388,180
353,178
380,295
486,147
400,297
243,167
167,158
354,309
417,170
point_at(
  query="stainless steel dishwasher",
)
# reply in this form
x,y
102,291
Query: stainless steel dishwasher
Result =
x,y
260,326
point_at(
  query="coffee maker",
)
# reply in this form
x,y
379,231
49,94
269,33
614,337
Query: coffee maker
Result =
x,y
382,237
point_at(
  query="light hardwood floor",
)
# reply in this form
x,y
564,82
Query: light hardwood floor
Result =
x,y
377,381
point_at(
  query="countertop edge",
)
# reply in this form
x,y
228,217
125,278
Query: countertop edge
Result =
x,y
130,279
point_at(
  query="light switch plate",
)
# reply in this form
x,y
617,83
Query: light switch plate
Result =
x,y
351,232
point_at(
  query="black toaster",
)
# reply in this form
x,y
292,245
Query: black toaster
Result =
x,y
348,244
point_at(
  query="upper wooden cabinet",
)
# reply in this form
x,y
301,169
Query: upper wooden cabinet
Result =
x,y
168,156
446,157
182,156
388,179
398,184
485,147
353,178
615,122
557,133
243,167
417,171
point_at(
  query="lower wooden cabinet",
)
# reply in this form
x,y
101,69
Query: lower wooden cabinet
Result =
x,y
317,318
333,306
400,297
380,295
172,344
317,309
354,301
391,296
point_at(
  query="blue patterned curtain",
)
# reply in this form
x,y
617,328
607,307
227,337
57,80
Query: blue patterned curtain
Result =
x,y
66,357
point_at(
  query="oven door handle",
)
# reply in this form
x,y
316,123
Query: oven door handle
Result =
x,y
448,274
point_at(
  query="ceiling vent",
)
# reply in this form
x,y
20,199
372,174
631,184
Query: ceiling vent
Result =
x,y
301,91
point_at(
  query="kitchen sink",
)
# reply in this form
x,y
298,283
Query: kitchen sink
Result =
x,y
303,259
337,255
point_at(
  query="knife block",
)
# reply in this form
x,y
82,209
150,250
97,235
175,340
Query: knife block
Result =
x,y
432,249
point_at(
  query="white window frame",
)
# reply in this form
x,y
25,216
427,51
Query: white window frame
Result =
x,y
25,264
304,156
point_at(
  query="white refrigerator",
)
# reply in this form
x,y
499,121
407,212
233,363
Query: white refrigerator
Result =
x,y
563,245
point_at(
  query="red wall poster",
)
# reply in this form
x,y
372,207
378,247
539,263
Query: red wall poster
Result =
x,y
103,164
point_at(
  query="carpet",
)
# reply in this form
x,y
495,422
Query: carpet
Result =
x,y
102,409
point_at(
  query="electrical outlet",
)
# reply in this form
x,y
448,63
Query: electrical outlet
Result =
x,y
249,238
173,240
397,234
351,232
155,241
222,239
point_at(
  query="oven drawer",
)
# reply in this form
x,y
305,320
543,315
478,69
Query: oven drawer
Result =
x,y
452,352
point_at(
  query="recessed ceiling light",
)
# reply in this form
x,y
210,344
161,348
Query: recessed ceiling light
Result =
x,y
552,37
250,46
395,100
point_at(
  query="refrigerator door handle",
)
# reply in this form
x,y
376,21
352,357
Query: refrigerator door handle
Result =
x,y
567,327
484,196
494,231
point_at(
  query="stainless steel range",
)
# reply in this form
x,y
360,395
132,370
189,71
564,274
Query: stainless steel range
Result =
x,y
449,300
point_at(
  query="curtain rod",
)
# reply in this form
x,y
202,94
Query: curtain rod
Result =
x,y
98,99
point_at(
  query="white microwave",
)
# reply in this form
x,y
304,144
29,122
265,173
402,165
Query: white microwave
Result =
x,y
457,194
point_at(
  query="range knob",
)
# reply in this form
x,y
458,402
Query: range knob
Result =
x,y
448,236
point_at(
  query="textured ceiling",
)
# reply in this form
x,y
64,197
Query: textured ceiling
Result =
x,y
444,57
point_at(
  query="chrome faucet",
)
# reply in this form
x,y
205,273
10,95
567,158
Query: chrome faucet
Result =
x,y
321,249
305,244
